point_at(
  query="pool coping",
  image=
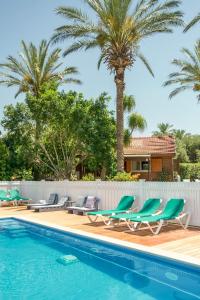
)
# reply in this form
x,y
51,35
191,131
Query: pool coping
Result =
x,y
133,246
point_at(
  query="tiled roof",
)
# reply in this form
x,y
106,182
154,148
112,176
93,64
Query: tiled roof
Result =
x,y
151,145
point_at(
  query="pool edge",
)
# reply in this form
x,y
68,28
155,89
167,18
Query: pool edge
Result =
x,y
145,249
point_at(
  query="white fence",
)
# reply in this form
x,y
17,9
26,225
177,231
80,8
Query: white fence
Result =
x,y
110,192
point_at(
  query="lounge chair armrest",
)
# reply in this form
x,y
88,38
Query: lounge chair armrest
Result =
x,y
132,209
157,213
182,215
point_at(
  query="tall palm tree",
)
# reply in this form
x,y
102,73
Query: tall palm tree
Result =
x,y
194,21
117,31
164,129
188,75
34,67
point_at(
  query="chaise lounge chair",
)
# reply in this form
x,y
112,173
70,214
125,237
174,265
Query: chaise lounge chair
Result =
x,y
123,206
53,199
17,198
89,204
13,196
62,203
173,211
149,208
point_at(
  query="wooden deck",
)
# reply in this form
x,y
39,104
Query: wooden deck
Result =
x,y
172,238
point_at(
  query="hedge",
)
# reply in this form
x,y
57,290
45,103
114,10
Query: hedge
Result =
x,y
190,171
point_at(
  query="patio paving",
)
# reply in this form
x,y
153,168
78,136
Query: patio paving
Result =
x,y
172,238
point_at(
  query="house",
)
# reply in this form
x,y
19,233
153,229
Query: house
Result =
x,y
151,157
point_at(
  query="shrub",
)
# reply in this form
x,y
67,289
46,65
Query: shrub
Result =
x,y
123,176
190,171
88,177
165,176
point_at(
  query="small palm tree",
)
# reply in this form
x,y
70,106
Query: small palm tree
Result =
x,y
164,129
135,120
179,133
193,22
188,75
34,68
117,31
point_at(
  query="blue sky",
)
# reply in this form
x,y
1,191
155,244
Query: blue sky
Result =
x,y
33,20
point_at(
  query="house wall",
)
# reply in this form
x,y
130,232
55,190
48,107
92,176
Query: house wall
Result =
x,y
110,192
157,165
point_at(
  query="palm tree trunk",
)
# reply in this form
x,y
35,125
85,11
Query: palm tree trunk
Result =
x,y
120,85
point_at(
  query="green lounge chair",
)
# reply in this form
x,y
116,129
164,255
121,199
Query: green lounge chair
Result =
x,y
123,206
149,208
173,211
3,195
16,197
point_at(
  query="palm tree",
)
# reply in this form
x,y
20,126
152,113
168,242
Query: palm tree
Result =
x,y
188,75
34,68
179,133
135,120
164,129
117,31
194,21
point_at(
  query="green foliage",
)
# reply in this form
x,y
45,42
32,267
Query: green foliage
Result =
x,y
164,176
190,171
120,38
99,133
181,151
34,68
22,175
135,120
88,177
72,130
4,159
187,76
123,176
164,129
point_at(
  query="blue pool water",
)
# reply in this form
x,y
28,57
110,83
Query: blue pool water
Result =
x,y
39,263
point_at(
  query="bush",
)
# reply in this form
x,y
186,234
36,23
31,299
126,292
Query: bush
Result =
x,y
190,171
165,176
88,177
123,176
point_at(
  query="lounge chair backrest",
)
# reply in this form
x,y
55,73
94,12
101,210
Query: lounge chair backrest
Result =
x,y
173,208
125,203
3,193
63,200
151,205
90,202
14,194
80,201
53,198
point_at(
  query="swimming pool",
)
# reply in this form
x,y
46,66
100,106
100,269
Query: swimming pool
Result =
x,y
38,262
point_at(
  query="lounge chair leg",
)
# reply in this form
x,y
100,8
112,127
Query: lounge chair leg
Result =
x,y
92,220
187,220
155,232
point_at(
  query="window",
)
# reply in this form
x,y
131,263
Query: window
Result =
x,y
140,165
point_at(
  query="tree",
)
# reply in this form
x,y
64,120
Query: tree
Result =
x,y
117,31
164,129
135,120
194,21
34,68
99,135
188,75
19,140
179,133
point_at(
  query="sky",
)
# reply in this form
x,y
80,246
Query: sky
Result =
x,y
34,20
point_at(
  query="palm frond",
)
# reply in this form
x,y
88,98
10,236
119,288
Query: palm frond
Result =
x,y
192,23
145,62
